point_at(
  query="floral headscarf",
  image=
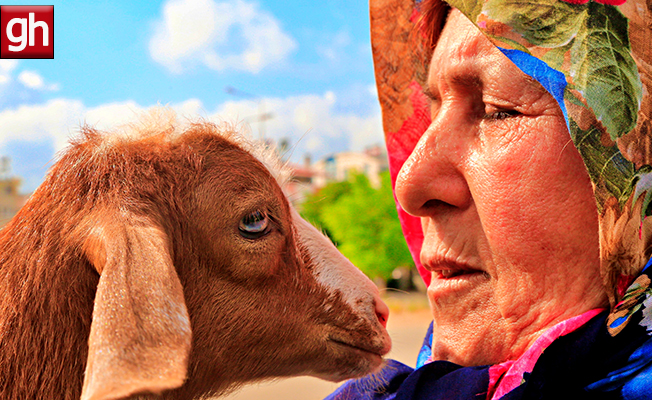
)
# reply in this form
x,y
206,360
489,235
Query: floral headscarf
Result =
x,y
594,57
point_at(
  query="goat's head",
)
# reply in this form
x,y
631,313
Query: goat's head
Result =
x,y
208,276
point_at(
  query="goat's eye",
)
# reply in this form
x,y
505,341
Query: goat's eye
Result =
x,y
254,225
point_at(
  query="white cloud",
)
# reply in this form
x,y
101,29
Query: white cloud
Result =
x,y
58,120
337,48
364,132
373,91
6,66
309,120
313,143
26,88
51,121
222,35
313,123
33,80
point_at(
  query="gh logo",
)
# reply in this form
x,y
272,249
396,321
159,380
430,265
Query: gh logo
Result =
x,y
27,32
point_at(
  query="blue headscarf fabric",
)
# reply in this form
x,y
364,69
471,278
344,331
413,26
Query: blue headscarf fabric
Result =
x,y
551,79
583,52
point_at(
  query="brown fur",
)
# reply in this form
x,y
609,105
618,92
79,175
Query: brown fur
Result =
x,y
156,216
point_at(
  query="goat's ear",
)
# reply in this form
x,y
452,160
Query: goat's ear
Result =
x,y
140,335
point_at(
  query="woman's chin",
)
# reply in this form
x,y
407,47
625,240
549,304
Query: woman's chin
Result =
x,y
468,326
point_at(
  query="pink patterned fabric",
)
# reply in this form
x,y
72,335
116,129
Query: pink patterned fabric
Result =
x,y
505,377
401,144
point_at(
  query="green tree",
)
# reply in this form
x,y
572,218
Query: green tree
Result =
x,y
363,223
312,208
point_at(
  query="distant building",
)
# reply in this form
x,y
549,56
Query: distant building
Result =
x,y
301,180
309,177
11,200
305,179
338,167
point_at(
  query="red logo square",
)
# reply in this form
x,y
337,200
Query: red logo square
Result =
x,y
27,32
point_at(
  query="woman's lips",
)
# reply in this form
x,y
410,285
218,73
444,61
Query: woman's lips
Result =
x,y
451,280
450,273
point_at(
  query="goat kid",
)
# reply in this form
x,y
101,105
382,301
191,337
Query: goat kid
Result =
x,y
167,260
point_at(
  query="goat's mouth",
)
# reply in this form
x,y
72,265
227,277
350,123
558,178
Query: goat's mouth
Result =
x,y
367,349
354,359
354,354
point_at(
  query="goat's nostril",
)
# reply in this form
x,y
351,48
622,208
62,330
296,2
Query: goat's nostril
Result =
x,y
382,319
382,312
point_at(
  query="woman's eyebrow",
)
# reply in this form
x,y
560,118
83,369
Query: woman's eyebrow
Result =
x,y
429,94
463,80
467,81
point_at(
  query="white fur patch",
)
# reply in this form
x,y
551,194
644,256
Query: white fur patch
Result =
x,y
335,271
332,269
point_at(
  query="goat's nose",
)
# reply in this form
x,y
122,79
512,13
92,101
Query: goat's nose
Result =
x,y
382,312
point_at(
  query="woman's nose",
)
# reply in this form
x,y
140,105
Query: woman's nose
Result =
x,y
433,177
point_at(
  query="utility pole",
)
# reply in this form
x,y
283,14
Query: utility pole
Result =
x,y
261,117
5,167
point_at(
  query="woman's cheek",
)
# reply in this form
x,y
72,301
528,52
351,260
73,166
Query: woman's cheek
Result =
x,y
511,188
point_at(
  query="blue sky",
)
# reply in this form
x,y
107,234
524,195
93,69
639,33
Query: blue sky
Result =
x,y
307,63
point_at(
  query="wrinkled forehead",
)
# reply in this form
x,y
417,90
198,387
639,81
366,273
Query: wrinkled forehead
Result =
x,y
465,57
584,55
453,28
591,56
459,42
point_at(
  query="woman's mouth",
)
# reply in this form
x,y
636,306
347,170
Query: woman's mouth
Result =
x,y
450,273
447,281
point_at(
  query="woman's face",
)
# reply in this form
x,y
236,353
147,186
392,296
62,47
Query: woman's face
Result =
x,y
506,205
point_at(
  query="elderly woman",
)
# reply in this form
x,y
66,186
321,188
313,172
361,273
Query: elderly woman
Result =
x,y
519,141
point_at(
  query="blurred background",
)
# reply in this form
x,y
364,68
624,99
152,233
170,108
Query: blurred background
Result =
x,y
296,74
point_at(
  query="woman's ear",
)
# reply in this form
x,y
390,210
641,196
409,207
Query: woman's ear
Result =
x,y
140,335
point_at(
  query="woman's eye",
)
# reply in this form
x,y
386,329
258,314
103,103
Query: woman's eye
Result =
x,y
254,225
500,115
